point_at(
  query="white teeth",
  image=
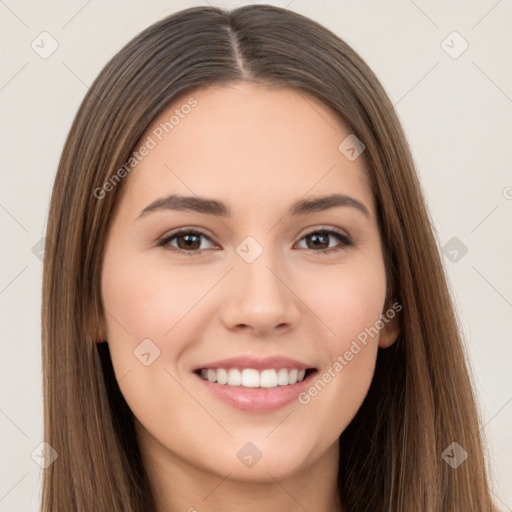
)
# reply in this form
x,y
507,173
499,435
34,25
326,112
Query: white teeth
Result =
x,y
251,378
222,376
282,377
234,377
268,379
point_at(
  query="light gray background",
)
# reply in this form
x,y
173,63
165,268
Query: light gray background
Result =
x,y
457,113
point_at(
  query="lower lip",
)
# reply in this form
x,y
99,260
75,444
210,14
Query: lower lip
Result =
x,y
257,399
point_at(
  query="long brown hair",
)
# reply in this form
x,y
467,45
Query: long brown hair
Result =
x,y
421,398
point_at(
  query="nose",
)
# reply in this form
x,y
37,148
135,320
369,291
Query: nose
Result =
x,y
260,299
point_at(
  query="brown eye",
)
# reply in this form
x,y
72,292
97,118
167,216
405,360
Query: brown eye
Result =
x,y
319,240
186,241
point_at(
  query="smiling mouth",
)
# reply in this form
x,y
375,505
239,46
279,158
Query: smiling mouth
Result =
x,y
252,378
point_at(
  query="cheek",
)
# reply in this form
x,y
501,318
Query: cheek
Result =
x,y
150,301
146,311
338,389
165,305
348,301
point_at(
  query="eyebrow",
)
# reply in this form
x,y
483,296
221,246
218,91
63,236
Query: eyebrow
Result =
x,y
213,207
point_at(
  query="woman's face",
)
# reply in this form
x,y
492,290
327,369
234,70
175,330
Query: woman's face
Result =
x,y
245,290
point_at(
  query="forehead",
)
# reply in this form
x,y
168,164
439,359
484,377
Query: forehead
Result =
x,y
249,144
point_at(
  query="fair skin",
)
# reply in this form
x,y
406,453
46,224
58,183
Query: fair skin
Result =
x,y
258,150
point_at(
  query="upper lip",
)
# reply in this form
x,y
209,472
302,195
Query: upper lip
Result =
x,y
258,363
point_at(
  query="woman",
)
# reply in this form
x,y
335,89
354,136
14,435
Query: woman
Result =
x,y
244,306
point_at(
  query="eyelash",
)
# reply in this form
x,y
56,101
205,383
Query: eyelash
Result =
x,y
344,239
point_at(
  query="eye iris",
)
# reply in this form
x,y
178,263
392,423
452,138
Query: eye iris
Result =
x,y
190,242
324,243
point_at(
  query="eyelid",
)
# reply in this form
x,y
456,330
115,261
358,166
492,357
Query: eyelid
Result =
x,y
323,228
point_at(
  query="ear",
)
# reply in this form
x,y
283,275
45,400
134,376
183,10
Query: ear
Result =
x,y
389,334
392,327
